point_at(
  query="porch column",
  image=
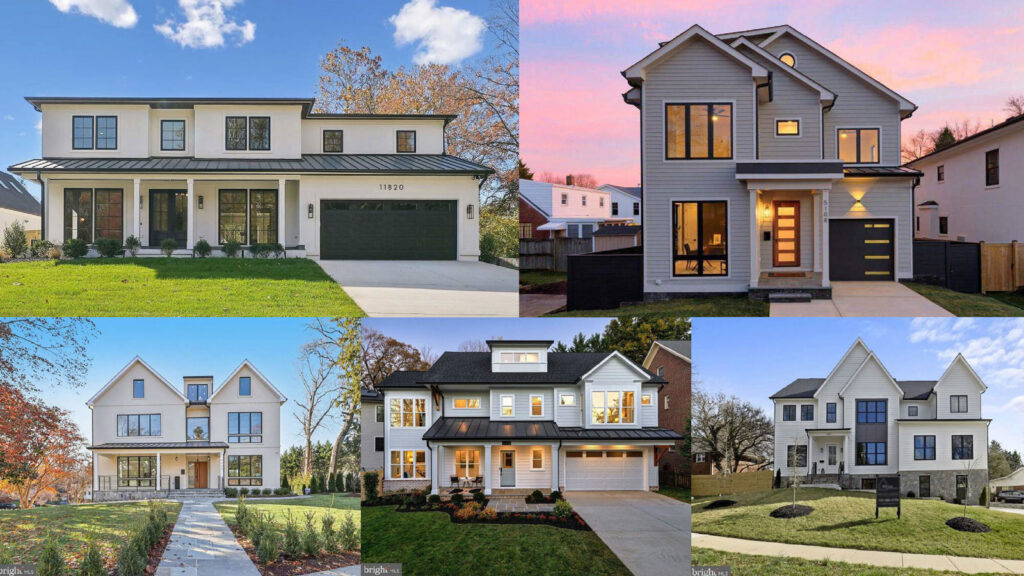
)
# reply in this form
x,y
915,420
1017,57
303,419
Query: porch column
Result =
x,y
487,469
554,467
824,239
95,475
648,452
816,234
158,470
137,216
281,236
434,483
220,482
755,262
190,215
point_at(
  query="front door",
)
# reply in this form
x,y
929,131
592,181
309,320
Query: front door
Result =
x,y
508,468
833,459
925,486
786,233
168,218
961,488
198,472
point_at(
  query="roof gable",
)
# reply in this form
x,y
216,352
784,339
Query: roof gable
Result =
x,y
858,345
246,364
643,374
960,363
872,360
638,70
825,94
135,361
678,348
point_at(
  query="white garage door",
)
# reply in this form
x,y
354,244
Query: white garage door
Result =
x,y
604,470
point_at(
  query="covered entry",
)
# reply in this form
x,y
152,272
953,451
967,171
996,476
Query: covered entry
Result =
x,y
388,230
604,470
862,249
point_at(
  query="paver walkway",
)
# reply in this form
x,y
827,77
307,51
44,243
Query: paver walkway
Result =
x,y
852,556
516,504
203,545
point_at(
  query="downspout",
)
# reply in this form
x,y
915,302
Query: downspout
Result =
x,y
42,206
757,105
823,111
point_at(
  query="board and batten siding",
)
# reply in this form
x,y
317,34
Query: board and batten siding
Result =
x,y
880,198
873,383
522,403
695,72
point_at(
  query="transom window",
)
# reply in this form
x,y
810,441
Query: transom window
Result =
x,y
958,404
245,386
859,145
871,454
536,458
467,463
699,239
197,428
247,133
138,425
924,447
992,168
788,59
508,406
405,141
567,399
198,392
536,405
612,407
245,470
172,135
91,214
796,456
466,403
871,411
94,132
963,447
138,388
787,127
334,141
245,427
698,131
519,357
408,412
136,471
408,464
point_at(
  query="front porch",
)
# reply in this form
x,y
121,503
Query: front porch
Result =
x,y
826,455
133,474
514,469
789,244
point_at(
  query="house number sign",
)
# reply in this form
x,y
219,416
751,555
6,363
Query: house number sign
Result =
x,y
392,187
824,210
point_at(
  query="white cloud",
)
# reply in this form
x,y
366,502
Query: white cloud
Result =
x,y
117,13
207,25
39,125
445,35
8,117
938,329
995,348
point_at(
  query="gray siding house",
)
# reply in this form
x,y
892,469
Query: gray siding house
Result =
x,y
371,439
770,164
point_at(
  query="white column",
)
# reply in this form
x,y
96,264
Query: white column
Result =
x,y
554,467
281,236
824,239
487,469
816,235
158,470
137,219
755,243
220,484
95,475
190,215
648,460
433,470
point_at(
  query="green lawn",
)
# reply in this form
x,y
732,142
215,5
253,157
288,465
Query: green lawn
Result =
x,y
970,305
336,505
171,287
691,307
429,544
749,565
681,494
847,520
537,277
1015,299
26,531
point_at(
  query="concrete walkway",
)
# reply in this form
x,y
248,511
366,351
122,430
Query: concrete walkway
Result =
x,y
203,545
872,299
851,556
649,532
535,305
355,570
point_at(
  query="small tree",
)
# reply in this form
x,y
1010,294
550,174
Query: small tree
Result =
x,y
370,485
202,249
15,242
968,466
983,498
168,246
778,478
795,477
132,244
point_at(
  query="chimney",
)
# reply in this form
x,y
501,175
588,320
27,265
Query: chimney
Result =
x,y
568,180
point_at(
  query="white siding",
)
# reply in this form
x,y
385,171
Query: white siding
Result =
x,y
649,414
541,365
880,198
549,198
943,432
526,476
522,403
792,433
613,375
925,409
159,399
568,416
872,383
156,116
452,412
958,381
405,438
370,459
132,130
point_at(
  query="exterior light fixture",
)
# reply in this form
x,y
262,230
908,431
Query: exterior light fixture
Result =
x,y
469,211
200,202
309,210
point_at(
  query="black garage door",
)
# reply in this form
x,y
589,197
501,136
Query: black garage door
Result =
x,y
388,230
861,249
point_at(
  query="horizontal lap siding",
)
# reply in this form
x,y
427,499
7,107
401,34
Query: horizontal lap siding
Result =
x,y
872,383
649,414
568,415
958,382
880,198
522,403
525,476
791,99
944,432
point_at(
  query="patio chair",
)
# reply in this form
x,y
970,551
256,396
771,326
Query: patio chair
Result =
x,y
453,481
478,481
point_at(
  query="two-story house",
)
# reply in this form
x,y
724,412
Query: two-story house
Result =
x,y
254,170
859,422
371,425
520,417
150,438
671,360
769,163
561,210
625,202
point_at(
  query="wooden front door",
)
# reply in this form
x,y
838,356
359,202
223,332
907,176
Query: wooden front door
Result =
x,y
202,474
786,233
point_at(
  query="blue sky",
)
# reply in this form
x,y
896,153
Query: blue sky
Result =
x,y
753,358
441,334
47,52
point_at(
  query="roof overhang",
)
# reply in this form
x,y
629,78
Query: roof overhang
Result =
x,y
769,170
825,95
635,74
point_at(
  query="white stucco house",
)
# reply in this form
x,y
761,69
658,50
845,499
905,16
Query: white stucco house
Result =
x,y
859,422
17,204
519,418
254,170
151,438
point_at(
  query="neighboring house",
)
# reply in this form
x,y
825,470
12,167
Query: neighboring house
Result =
x,y
858,423
254,170
616,238
17,204
371,418
702,465
769,163
671,360
974,190
522,418
625,202
1015,481
150,438
561,210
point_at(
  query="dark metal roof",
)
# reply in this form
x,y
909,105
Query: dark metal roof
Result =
x,y
487,429
617,231
806,387
1004,124
929,203
881,171
309,163
403,379
152,445
683,347
784,168
14,196
368,396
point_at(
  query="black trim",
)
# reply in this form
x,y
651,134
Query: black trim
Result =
x,y
699,256
711,132
96,138
220,214
925,447
128,434
92,133
965,449
791,55
227,133
323,145
858,131
253,236
250,434
184,136
799,129
252,147
398,141
825,169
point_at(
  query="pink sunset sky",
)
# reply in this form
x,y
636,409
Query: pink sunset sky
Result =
x,y
956,60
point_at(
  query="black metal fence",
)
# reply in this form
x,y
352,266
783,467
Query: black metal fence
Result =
x,y
604,280
953,265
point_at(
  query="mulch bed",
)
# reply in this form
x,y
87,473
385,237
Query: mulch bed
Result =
x,y
542,500
573,522
790,511
967,525
286,567
719,504
155,553
560,287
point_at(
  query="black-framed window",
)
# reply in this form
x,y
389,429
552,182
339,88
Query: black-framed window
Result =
x,y
806,412
138,425
379,413
636,208
245,470
198,392
924,447
232,213
565,199
789,413
615,208
963,447
961,487
405,141
244,386
788,127
78,211
871,454
940,173
138,388
90,214
136,471
334,141
245,427
700,234
830,412
235,132
958,404
106,132
259,133
263,216
911,410
917,223
871,411
82,132
110,213
172,135
992,167
943,224
197,428
698,131
796,456
378,443
583,200
859,145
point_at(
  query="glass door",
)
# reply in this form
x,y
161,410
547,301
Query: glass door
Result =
x,y
168,216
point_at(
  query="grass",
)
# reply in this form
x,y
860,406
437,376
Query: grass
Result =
x,y
681,494
171,287
747,564
690,307
847,520
427,543
971,305
336,505
25,532
538,277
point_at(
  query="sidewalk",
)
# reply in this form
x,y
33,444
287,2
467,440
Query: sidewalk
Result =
x,y
203,545
852,556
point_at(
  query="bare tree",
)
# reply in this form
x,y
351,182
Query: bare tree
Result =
x,y
549,177
963,128
794,464
321,389
584,180
1015,105
54,350
428,355
474,346
731,430
920,144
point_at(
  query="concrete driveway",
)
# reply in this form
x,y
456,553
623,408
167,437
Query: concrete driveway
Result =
x,y
427,288
877,299
649,532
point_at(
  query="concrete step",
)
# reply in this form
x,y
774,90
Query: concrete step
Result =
x,y
780,297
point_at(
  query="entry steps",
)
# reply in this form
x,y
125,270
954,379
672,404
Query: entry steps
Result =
x,y
782,297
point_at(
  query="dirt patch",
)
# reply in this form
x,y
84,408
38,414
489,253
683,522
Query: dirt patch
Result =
x,y
790,511
967,525
719,504
549,288
299,566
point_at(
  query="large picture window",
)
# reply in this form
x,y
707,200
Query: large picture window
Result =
x,y
172,135
871,454
136,471
699,239
407,464
245,470
263,216
924,447
859,145
138,425
248,216
467,463
245,427
408,412
93,214
197,428
612,407
110,214
698,131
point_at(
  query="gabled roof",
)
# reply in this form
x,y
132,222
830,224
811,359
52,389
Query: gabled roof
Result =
x,y
534,205
635,73
634,191
871,357
825,94
647,376
1004,124
367,396
679,348
133,362
617,231
970,370
152,445
14,196
807,387
403,379
281,397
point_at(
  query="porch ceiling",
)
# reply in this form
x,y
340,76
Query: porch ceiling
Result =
x,y
158,446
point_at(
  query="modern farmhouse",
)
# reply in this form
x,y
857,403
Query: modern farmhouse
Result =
x,y
522,418
151,439
859,422
254,171
769,164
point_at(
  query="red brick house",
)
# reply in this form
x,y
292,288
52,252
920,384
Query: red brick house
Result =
x,y
530,218
670,359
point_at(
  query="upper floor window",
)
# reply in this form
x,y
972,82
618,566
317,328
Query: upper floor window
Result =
x,y
958,404
94,132
830,412
666,402
138,388
466,403
519,357
871,411
197,428
992,167
259,133
138,425
235,133
245,386
172,135
924,447
565,199
859,145
699,246
508,406
943,224
788,59
334,141
807,412
584,198
106,132
247,133
567,399
661,371
408,412
700,457
245,427
940,173
963,447
911,410
789,413
379,413
600,202
615,208
698,131
405,141
636,208
198,392
82,132
612,407
787,127
536,405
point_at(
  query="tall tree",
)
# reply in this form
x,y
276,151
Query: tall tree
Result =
x,y
918,145
631,337
944,138
524,172
320,390
731,430
382,355
339,343
53,350
997,463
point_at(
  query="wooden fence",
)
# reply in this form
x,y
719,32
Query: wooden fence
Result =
x,y
1002,267
551,254
713,485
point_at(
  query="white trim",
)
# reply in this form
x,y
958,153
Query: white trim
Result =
x,y
426,462
530,398
281,397
616,354
542,466
426,412
638,70
846,355
572,394
501,398
467,398
871,356
824,93
791,55
134,361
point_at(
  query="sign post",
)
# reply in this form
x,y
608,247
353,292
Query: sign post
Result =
x,y
887,494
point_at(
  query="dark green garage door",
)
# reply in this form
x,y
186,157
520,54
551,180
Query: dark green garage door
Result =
x,y
861,249
388,230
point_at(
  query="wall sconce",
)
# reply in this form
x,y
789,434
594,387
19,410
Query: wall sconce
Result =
x,y
469,211
200,202
767,212
142,201
309,210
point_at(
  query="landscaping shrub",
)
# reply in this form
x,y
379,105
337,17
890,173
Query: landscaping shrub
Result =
x,y
292,539
556,495
536,495
202,249
109,247
267,491
371,479
265,250
129,561
348,534
778,479
168,246
468,512
434,498
310,542
329,534
418,499
231,248
241,511
983,497
243,491
51,562
479,497
911,494
283,491
132,244
75,248
42,249
230,492
269,546
563,509
15,242
488,514
92,561
457,499
791,511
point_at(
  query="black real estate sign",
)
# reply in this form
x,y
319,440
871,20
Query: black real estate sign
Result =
x,y
887,494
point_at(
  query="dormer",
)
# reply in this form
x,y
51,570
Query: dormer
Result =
x,y
519,355
197,389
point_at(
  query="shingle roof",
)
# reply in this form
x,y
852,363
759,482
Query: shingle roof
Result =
x,y
487,429
153,445
806,387
916,389
634,191
368,396
683,347
475,368
14,196
402,379
617,231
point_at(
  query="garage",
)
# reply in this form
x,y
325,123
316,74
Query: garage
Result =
x,y
604,470
862,249
388,230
